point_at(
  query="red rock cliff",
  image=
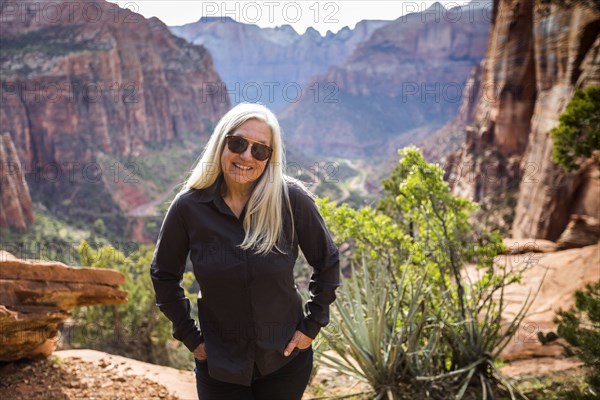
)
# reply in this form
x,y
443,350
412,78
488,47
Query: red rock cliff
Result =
x,y
538,54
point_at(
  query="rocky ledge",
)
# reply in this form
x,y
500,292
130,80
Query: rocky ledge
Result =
x,y
35,297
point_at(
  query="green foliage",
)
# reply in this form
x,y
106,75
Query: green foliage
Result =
x,y
412,318
580,326
135,329
48,238
99,226
578,133
366,230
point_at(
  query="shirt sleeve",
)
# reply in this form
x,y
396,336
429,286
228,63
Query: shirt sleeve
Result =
x,y
322,254
167,268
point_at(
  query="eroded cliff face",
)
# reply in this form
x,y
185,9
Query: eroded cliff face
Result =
x,y
114,84
567,60
15,201
537,55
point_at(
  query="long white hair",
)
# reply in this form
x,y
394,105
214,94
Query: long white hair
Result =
x,y
263,221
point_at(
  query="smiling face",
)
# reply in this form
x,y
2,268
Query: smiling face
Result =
x,y
241,170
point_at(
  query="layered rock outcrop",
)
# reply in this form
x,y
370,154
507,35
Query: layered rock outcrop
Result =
x,y
35,297
538,54
15,202
397,87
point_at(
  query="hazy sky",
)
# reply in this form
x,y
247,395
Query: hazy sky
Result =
x,y
322,15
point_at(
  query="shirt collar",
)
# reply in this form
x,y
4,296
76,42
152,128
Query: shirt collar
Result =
x,y
211,193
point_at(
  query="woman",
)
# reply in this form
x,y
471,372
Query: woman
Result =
x,y
241,219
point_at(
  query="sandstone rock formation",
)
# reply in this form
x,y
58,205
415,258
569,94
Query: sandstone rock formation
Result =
x,y
257,64
409,75
35,297
560,274
15,201
538,54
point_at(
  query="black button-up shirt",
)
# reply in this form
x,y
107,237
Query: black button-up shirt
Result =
x,y
248,306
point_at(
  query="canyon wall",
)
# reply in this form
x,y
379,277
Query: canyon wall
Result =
x,y
538,54
79,78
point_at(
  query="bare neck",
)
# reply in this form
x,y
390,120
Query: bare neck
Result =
x,y
236,196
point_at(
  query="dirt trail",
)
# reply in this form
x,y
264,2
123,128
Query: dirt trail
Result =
x,y
150,209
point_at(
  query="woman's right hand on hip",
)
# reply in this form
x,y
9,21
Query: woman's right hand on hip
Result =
x,y
199,352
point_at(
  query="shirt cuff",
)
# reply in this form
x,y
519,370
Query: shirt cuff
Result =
x,y
193,341
309,327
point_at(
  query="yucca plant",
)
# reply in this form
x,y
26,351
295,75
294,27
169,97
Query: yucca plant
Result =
x,y
379,330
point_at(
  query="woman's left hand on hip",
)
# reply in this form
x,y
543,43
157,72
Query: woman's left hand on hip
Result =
x,y
299,340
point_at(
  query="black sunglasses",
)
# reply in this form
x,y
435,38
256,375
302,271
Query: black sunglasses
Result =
x,y
239,144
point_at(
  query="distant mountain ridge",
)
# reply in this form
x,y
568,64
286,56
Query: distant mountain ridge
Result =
x,y
405,81
257,63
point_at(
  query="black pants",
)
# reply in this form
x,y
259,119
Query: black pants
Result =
x,y
287,383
